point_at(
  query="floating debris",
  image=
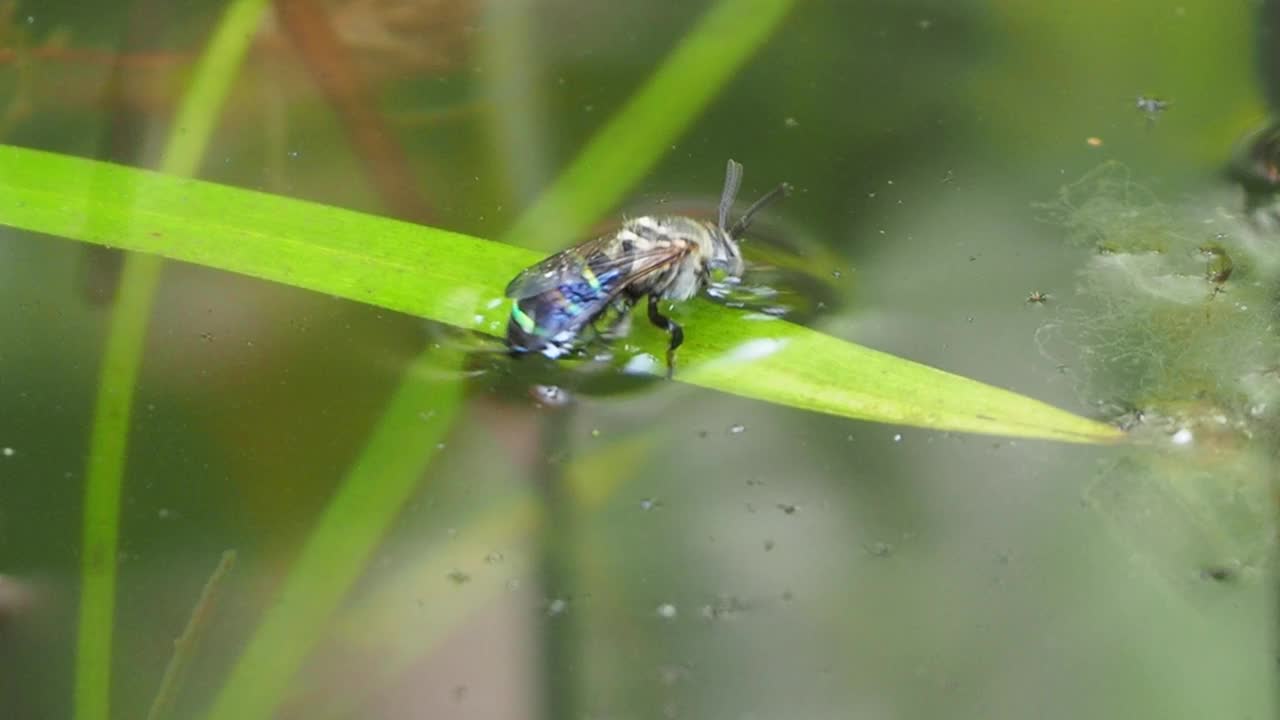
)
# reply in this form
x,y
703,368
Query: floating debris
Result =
x,y
1152,105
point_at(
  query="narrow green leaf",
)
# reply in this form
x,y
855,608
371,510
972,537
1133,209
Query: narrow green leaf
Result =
x,y
122,358
458,280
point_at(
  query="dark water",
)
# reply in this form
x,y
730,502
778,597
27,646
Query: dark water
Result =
x,y
673,552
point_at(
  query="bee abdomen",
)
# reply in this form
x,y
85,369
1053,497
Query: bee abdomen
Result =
x,y
550,322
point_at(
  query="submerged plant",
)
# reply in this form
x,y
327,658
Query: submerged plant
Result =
x,y
1177,342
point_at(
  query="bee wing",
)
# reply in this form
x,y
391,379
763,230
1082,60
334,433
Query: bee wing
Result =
x,y
554,271
592,260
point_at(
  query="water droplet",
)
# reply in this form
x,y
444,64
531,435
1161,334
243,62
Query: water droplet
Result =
x,y
791,122
755,349
550,395
737,429
1183,437
897,437
642,364
879,549
8,452
649,504
667,611
557,606
725,606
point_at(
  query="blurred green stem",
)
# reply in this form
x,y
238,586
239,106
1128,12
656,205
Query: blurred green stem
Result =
x,y
561,669
386,472
108,443
641,133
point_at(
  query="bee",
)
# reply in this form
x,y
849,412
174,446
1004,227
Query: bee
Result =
x,y
658,257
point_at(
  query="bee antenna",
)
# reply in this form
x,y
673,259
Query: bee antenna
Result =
x,y
744,221
732,181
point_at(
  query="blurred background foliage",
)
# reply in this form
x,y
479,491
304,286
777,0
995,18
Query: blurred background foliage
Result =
x,y
713,557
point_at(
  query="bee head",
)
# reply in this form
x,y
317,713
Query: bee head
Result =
x,y
726,255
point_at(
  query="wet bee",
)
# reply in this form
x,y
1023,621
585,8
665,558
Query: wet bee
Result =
x,y
663,258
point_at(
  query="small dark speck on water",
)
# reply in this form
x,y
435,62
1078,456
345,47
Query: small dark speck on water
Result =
x,y
788,508
1218,574
457,577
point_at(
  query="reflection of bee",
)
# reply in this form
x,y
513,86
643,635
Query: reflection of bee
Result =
x,y
665,258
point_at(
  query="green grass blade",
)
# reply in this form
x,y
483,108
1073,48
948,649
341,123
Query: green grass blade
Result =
x,y
387,471
104,479
458,280
641,133
108,442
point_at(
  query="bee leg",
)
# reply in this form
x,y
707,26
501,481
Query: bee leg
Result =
x,y
673,329
621,325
